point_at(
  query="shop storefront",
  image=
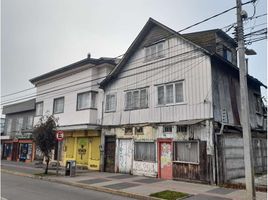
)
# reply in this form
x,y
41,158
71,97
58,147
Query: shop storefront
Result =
x,y
83,147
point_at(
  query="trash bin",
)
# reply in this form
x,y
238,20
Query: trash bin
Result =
x,y
70,168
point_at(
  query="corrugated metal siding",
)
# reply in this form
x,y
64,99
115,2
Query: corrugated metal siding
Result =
x,y
192,67
226,95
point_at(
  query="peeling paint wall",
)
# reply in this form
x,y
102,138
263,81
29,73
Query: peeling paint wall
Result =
x,y
145,168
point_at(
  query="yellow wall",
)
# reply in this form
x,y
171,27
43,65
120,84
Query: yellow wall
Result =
x,y
82,146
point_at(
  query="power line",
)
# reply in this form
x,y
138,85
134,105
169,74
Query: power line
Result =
x,y
40,94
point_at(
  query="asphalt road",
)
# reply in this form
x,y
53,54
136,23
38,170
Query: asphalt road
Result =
x,y
16,187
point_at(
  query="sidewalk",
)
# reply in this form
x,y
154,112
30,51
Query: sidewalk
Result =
x,y
132,186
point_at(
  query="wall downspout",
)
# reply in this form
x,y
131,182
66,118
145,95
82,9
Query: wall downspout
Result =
x,y
102,144
216,153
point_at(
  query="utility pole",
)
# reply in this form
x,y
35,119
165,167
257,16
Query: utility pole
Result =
x,y
248,154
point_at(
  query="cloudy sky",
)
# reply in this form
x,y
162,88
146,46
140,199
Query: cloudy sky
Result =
x,y
40,36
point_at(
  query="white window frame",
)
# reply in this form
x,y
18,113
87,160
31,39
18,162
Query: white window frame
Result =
x,y
131,107
182,161
54,101
92,95
39,106
174,93
19,124
159,52
29,124
9,126
106,102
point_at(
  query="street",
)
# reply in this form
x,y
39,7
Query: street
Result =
x,y
23,188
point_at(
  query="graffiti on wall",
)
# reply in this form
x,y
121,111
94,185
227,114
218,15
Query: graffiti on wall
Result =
x,y
144,168
165,155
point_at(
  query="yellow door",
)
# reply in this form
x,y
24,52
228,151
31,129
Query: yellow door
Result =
x,y
69,147
82,151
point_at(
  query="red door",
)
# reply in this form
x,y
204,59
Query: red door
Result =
x,y
165,158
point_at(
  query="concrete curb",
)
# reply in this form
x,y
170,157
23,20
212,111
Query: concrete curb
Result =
x,y
84,186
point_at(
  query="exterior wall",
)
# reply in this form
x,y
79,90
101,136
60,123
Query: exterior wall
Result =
x,y
222,43
82,146
68,87
138,167
192,67
231,155
152,133
226,96
24,132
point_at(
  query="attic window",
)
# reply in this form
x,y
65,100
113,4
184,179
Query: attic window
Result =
x,y
227,54
154,51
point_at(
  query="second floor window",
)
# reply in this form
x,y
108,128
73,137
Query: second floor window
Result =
x,y
110,103
19,123
9,126
227,54
154,51
58,106
39,108
170,93
136,99
29,124
86,100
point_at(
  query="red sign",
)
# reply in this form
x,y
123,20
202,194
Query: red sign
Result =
x,y
59,135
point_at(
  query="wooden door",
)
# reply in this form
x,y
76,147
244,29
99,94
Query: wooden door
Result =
x,y
109,154
165,159
15,151
125,154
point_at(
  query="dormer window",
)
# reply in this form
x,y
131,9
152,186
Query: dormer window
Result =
x,y
154,51
227,54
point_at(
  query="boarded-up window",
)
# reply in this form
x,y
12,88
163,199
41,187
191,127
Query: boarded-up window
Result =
x,y
186,151
144,151
110,103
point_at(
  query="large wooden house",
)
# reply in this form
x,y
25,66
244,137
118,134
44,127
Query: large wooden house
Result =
x,y
172,108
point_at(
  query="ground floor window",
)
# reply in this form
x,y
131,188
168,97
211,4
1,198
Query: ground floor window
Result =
x,y
25,151
186,151
7,150
144,151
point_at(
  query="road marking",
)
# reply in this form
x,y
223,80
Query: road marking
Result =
x,y
3,198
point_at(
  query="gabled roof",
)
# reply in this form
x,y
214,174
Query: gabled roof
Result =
x,y
145,30
73,66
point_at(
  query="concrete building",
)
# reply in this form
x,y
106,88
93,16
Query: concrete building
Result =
x,y
17,142
72,95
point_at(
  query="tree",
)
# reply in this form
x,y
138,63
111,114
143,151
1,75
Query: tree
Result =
x,y
44,135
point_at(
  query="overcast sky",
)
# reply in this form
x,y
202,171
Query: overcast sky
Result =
x,y
40,36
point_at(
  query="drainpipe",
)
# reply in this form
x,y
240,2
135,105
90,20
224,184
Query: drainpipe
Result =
x,y
216,153
102,146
